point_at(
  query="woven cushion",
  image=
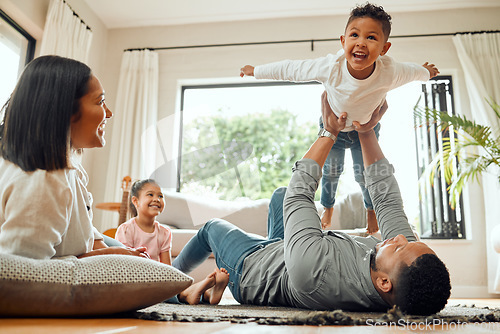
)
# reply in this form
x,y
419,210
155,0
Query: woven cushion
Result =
x,y
90,286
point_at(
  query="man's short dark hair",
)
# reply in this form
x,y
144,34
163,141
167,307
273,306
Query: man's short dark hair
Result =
x,y
375,12
423,288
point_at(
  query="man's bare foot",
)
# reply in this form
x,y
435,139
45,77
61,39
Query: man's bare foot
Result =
x,y
371,219
214,294
326,218
192,294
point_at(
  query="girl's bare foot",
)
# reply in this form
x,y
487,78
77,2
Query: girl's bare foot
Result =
x,y
192,294
216,292
326,218
371,219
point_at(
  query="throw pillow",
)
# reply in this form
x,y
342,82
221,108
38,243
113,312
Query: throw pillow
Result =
x,y
94,285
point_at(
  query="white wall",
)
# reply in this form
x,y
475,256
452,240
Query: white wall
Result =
x,y
465,259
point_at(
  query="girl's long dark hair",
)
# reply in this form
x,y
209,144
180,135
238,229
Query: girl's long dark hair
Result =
x,y
35,129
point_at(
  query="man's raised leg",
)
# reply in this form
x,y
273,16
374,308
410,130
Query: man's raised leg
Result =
x,y
275,227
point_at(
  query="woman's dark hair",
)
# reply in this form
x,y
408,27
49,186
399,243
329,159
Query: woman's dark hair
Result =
x,y
423,288
375,12
35,130
134,192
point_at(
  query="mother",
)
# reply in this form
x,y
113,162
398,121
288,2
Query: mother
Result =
x,y
56,110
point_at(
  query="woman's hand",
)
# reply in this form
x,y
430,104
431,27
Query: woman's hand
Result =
x,y
376,117
139,251
331,122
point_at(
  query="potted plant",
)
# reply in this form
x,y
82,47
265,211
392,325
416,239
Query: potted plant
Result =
x,y
457,160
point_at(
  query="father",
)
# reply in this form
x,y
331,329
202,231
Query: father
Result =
x,y
302,266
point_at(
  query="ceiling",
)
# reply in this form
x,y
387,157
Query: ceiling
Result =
x,y
138,13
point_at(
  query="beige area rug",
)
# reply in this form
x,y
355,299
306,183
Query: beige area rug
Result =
x,y
457,314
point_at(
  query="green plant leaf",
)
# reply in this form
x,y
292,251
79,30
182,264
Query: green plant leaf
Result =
x,y
465,156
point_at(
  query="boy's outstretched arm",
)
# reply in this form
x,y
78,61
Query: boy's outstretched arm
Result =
x,y
246,70
433,71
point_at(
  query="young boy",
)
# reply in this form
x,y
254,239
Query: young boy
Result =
x,y
356,80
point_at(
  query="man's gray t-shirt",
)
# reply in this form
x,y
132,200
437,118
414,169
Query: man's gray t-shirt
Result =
x,y
317,269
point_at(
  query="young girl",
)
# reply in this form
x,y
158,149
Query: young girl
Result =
x,y
146,202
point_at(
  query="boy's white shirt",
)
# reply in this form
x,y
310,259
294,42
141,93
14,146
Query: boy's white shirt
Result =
x,y
359,98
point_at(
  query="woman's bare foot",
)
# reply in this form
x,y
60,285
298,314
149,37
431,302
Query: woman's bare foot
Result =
x,y
192,294
326,218
214,294
371,219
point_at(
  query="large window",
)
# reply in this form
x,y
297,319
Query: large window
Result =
x,y
17,48
240,141
438,219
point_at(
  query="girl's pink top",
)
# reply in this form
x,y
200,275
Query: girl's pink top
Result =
x,y
131,235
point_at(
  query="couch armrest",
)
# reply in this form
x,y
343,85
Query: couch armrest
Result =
x,y
185,211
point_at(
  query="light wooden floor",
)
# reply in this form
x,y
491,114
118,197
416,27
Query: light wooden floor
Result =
x,y
129,326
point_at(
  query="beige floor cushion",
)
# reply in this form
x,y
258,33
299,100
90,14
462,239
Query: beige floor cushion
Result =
x,y
90,286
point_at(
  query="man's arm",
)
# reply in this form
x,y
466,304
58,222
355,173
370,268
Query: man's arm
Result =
x,y
307,252
322,146
370,147
382,186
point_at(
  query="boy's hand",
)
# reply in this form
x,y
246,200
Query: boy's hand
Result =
x,y
433,71
246,70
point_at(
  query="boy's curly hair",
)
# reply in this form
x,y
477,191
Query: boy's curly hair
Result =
x,y
423,288
372,11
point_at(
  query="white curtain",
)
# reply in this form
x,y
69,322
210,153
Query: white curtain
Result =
x,y
65,34
479,56
132,147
